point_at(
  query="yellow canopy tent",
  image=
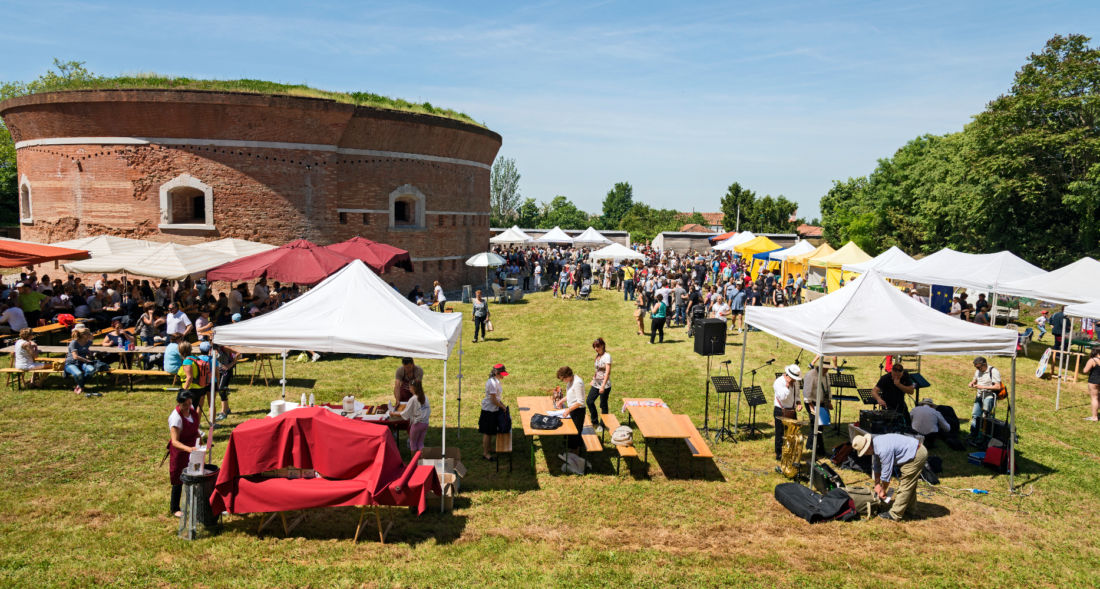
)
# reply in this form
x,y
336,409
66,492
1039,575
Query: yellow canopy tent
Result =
x,y
849,254
797,264
755,246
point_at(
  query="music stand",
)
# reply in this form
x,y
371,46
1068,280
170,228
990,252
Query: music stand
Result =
x,y
754,397
919,382
867,397
726,385
840,381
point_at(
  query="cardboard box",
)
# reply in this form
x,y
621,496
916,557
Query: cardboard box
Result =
x,y
448,482
449,463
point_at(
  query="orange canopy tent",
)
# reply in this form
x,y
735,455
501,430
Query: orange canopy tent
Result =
x,y
15,253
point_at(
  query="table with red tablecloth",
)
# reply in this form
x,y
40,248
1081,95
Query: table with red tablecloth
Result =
x,y
358,464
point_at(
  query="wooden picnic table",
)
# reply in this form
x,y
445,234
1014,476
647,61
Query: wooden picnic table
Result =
x,y
528,407
656,421
263,366
106,349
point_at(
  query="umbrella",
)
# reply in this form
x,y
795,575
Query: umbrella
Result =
x,y
105,245
486,260
15,253
380,257
300,261
236,248
167,260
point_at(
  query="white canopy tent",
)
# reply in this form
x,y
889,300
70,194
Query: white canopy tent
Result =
x,y
590,237
522,233
849,322
354,312
736,240
170,261
802,247
891,258
555,235
510,236
105,245
978,271
237,248
1084,310
616,252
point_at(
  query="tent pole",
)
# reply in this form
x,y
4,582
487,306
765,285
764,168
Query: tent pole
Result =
x,y
993,318
1012,431
283,380
1063,360
213,380
816,419
458,434
741,379
444,407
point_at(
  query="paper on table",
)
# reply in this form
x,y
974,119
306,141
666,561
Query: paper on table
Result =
x,y
556,413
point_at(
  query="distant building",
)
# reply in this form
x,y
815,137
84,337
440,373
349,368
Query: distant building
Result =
x,y
694,228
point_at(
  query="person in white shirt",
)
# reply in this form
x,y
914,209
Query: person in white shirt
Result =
x,y
417,411
490,405
785,389
14,318
260,291
928,422
26,354
986,383
236,300
720,309
177,321
538,276
601,382
574,404
440,298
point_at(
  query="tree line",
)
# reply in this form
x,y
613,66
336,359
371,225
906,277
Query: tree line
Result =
x,y
1023,175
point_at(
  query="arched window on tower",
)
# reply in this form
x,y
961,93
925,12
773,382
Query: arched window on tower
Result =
x,y
186,203
26,215
407,208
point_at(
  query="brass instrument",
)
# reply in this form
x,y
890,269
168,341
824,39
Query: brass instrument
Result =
x,y
793,443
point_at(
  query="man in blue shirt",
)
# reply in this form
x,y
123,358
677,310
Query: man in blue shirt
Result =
x,y
736,298
892,450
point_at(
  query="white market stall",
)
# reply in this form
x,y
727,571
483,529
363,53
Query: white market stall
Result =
x,y
236,248
736,240
510,236
616,252
353,311
105,245
891,258
170,261
1078,282
869,317
555,235
590,237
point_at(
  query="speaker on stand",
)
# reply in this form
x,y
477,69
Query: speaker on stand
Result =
x,y
710,340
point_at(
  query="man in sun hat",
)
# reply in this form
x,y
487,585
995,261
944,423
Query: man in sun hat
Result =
x,y
785,388
888,451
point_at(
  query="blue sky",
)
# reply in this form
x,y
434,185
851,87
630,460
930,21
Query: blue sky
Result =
x,y
679,99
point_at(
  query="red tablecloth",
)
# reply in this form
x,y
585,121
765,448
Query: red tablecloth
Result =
x,y
362,458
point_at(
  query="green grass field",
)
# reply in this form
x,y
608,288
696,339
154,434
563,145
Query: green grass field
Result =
x,y
85,503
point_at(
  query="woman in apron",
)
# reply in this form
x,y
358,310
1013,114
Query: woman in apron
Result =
x,y
183,427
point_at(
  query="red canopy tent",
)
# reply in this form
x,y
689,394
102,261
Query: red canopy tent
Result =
x,y
359,461
379,257
722,237
15,253
300,261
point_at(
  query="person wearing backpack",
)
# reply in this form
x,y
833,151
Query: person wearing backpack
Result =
x,y
987,385
195,372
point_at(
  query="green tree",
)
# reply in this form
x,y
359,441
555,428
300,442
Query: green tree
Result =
x,y
617,204
737,201
504,196
9,180
529,214
561,212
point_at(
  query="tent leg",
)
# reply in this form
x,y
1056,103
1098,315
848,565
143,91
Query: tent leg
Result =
x,y
816,420
213,382
444,406
283,380
1012,431
1063,361
741,378
993,316
458,434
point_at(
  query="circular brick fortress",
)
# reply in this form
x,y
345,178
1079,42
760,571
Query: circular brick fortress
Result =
x,y
191,166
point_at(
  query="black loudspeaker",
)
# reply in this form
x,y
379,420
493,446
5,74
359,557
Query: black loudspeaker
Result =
x,y
710,337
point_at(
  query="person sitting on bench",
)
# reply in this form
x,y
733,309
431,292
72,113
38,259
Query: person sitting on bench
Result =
x,y
986,382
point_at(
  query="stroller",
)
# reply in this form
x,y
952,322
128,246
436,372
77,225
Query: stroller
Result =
x,y
586,290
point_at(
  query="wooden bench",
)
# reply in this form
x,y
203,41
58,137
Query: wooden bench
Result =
x,y
695,442
17,377
610,424
504,446
130,373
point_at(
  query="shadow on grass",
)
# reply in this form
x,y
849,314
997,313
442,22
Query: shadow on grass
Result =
x,y
1028,471
674,459
331,523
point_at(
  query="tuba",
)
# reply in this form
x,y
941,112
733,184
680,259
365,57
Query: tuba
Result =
x,y
793,443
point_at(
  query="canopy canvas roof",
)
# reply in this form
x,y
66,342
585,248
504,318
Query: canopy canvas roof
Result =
x,y
796,264
616,251
1078,282
891,258
15,253
801,247
590,237
237,248
555,235
722,237
170,261
105,245
850,253
978,271
756,245
521,233
485,260
378,256
300,261
1087,310
736,240
850,322
352,311
511,235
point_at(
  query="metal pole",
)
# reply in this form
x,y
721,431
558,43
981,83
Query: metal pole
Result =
x,y
458,435
282,381
1063,360
744,343
1012,431
213,380
817,420
444,407
993,319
